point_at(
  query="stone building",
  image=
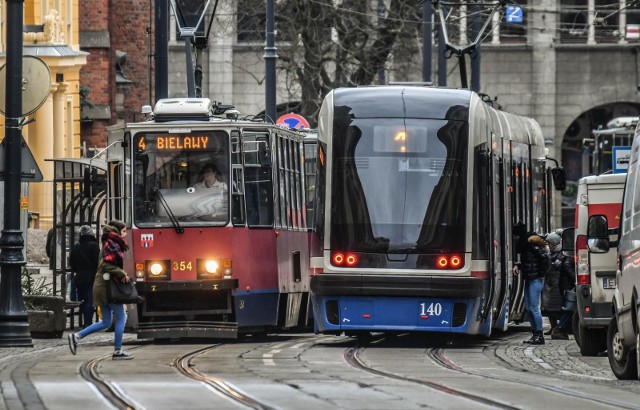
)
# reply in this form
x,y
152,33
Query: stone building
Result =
x,y
51,34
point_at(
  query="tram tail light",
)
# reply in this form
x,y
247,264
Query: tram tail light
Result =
x,y
583,276
346,259
227,266
449,262
139,270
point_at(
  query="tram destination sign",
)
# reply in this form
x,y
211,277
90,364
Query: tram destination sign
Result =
x,y
175,142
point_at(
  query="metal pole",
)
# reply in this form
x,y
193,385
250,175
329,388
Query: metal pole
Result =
x,y
14,322
160,55
270,57
476,26
381,17
427,16
191,82
442,59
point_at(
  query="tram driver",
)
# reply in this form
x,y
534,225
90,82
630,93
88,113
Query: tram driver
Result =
x,y
216,189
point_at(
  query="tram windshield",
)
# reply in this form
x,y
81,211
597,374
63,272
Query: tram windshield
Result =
x,y
398,185
181,179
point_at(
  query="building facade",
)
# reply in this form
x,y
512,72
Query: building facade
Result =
x,y
51,34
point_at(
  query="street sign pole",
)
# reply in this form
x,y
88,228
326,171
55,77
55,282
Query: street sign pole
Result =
x,y
14,322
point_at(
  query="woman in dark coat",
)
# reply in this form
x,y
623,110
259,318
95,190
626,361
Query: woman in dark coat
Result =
x,y
534,263
110,267
84,264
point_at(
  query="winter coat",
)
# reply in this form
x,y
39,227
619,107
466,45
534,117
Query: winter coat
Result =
x,y
559,278
534,257
84,259
114,250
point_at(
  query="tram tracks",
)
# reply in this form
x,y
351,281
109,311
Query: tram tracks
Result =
x,y
108,389
183,364
352,357
438,356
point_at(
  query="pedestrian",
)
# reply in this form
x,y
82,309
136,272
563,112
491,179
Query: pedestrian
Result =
x,y
83,260
50,248
563,270
534,263
110,267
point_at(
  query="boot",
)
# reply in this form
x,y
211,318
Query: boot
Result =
x,y
559,334
528,341
548,332
538,338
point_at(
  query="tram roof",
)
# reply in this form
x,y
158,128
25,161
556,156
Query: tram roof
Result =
x,y
404,101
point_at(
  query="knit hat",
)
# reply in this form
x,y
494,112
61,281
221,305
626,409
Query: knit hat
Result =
x,y
86,230
553,239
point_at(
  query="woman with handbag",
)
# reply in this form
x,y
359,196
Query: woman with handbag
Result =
x,y
110,267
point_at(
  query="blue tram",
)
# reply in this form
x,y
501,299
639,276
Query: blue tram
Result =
x,y
417,189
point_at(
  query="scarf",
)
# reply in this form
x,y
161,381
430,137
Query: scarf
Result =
x,y
113,248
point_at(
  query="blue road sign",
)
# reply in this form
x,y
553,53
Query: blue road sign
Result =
x,y
514,14
620,159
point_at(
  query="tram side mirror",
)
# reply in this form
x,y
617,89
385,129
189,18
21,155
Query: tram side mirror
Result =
x,y
559,178
598,234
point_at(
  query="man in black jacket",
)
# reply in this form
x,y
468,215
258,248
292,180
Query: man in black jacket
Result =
x,y
84,264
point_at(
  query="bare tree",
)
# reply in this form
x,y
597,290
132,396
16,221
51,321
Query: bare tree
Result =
x,y
325,44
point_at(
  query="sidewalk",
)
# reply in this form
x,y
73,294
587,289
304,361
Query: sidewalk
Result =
x,y
7,354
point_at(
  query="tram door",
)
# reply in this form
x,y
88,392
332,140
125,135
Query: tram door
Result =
x,y
498,221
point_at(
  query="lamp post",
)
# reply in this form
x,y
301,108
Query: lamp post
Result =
x,y
190,19
270,58
14,323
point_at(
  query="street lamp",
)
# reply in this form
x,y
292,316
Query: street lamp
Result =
x,y
190,19
14,324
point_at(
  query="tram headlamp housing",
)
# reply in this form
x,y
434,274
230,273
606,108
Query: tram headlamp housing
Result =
x,y
156,269
213,268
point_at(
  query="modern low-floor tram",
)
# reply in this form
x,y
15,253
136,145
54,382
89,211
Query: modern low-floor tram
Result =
x,y
417,191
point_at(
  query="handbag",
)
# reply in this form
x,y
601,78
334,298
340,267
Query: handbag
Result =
x,y
121,292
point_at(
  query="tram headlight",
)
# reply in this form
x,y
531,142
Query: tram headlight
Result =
x,y
155,269
211,266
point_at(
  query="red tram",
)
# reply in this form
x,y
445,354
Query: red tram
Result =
x,y
219,230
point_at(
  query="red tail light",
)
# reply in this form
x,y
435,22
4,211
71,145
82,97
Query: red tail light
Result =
x,y
344,259
449,262
583,271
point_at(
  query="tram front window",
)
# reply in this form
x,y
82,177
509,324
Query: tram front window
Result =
x,y
398,185
181,178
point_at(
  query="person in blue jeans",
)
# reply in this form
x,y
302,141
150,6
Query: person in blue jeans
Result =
x,y
534,263
110,267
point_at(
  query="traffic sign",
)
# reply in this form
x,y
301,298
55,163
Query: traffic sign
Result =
x,y
514,14
620,159
293,121
30,170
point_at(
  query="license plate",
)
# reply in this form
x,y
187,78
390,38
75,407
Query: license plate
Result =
x,y
608,283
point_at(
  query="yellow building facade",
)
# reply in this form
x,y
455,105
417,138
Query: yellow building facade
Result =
x,y
50,33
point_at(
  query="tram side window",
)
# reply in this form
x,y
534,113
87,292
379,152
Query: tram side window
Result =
x,y
258,181
481,192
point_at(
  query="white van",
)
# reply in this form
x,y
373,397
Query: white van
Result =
x,y
623,335
599,195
